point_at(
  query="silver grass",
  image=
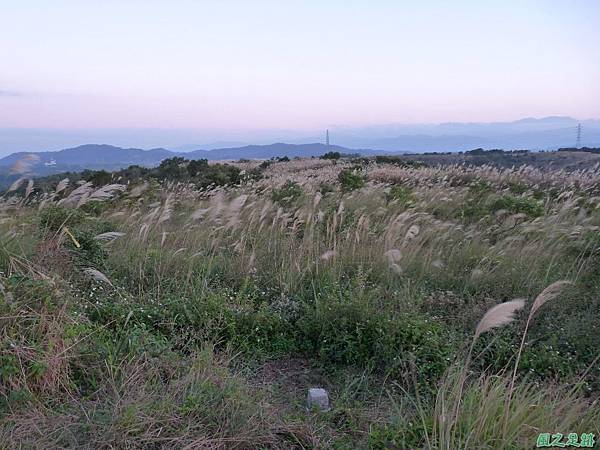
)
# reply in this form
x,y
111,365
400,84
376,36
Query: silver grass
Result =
x,y
438,264
16,184
180,250
317,199
396,268
393,255
499,315
199,213
105,192
166,212
412,232
76,196
328,255
109,236
550,293
144,229
97,275
29,188
62,185
139,190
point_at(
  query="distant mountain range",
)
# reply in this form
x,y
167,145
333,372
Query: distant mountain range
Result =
x,y
533,134
546,133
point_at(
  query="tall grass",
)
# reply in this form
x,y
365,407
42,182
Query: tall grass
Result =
x,y
122,305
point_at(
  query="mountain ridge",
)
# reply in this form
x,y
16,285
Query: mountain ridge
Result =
x,y
99,154
110,157
544,133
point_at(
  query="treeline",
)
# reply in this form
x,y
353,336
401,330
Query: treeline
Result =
x,y
582,149
496,151
197,172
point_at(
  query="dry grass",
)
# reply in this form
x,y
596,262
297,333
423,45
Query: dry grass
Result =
x,y
219,258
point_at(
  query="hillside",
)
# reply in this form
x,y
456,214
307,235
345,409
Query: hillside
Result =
x,y
565,160
108,157
105,157
94,156
194,305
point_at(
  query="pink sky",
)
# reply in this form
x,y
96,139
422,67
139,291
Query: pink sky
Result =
x,y
301,65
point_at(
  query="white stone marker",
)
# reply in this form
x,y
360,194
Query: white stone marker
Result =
x,y
318,397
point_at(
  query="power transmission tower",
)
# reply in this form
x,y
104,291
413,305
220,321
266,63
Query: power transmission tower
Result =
x,y
578,143
327,138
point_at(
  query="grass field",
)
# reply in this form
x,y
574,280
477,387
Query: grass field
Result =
x,y
153,313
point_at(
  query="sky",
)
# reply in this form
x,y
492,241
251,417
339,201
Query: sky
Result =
x,y
251,65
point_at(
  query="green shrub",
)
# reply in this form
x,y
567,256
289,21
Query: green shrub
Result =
x,y
352,179
480,205
99,178
196,166
525,205
53,217
400,194
480,187
325,188
473,209
353,332
217,174
331,155
399,161
172,168
517,187
287,194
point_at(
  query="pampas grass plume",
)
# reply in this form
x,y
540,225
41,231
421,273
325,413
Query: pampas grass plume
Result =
x,y
499,315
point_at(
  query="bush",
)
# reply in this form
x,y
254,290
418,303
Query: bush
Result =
x,y
400,194
479,205
195,166
399,161
479,187
331,155
325,188
172,168
525,205
53,217
217,174
287,194
100,178
354,332
352,179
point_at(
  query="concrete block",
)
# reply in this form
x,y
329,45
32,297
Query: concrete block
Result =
x,y
318,398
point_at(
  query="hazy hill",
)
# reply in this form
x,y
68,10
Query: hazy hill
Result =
x,y
548,133
108,157
273,150
91,156
95,156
